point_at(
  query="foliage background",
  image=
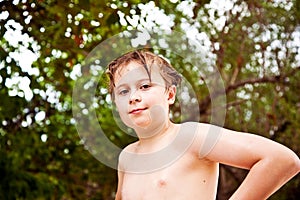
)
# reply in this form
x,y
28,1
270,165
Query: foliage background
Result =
x,y
254,45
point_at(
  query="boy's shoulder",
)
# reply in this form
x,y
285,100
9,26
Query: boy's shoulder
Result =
x,y
131,148
196,124
205,136
196,128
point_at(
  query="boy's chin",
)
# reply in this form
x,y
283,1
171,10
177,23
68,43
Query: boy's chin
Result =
x,y
150,124
148,130
141,125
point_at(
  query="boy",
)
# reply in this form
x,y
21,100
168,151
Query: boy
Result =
x,y
174,161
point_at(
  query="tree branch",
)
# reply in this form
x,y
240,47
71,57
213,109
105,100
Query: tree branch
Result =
x,y
203,106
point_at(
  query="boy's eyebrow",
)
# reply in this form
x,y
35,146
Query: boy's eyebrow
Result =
x,y
140,80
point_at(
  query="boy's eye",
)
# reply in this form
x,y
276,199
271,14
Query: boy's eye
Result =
x,y
145,86
123,92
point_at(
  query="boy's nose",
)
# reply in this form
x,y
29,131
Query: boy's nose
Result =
x,y
135,97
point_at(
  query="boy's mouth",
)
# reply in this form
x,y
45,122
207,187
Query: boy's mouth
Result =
x,y
137,110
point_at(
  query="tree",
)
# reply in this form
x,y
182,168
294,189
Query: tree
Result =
x,y
254,45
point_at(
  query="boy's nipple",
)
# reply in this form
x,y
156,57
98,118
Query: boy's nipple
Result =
x,y
161,183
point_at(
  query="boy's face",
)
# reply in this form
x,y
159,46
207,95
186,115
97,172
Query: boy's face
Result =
x,y
141,103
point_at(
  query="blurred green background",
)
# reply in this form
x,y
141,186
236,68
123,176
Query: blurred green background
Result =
x,y
255,45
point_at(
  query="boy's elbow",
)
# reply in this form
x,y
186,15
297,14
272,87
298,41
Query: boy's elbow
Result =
x,y
297,164
292,163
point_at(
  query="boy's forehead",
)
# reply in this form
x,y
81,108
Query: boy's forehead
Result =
x,y
134,70
124,68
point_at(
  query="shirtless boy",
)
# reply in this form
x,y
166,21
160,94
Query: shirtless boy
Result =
x,y
173,161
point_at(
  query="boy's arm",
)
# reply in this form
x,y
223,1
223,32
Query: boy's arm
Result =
x,y
120,177
119,188
271,164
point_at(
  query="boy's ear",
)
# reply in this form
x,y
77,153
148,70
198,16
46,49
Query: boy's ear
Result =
x,y
171,94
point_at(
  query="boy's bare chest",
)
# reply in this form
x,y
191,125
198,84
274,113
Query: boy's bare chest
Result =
x,y
181,180
155,185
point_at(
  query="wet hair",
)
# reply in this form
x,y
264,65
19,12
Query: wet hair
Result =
x,y
146,59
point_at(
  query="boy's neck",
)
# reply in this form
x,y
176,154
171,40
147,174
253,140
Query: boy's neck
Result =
x,y
151,137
